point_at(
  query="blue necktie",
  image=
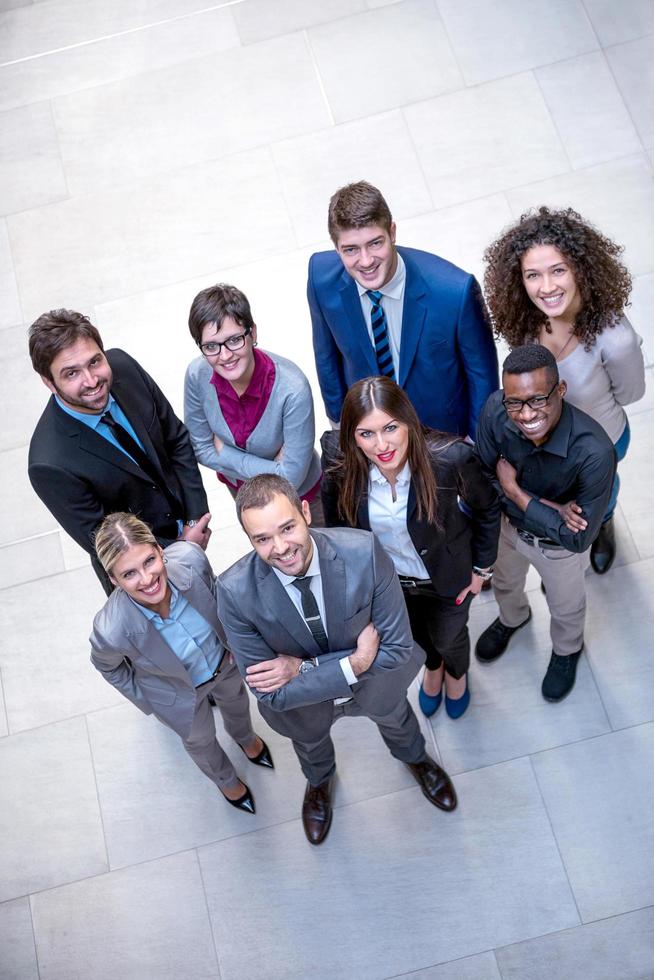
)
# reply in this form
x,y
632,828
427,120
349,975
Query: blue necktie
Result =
x,y
380,335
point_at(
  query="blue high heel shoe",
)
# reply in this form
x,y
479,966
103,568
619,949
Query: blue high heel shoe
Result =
x,y
429,704
456,707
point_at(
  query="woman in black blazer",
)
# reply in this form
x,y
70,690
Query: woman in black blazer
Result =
x,y
392,476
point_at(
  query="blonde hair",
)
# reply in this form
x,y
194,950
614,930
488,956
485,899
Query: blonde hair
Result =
x,y
116,534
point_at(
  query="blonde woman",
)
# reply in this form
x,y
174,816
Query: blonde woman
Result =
x,y
156,640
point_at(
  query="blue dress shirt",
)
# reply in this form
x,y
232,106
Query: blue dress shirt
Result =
x,y
188,635
95,422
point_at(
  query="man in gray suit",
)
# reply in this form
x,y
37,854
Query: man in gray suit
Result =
x,y
318,627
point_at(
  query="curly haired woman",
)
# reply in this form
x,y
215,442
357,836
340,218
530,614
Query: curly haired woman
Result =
x,y
554,279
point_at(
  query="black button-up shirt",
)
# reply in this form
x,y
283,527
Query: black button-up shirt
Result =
x,y
577,462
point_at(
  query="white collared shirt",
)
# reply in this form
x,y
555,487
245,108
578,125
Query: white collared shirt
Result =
x,y
294,594
392,303
387,519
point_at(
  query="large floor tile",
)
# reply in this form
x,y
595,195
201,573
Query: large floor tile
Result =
x,y
311,168
636,474
50,828
116,56
479,33
163,230
480,967
28,516
632,65
18,957
485,139
492,880
259,19
613,24
10,311
29,559
508,716
619,642
383,59
599,798
618,947
147,124
31,173
618,197
569,88
460,233
23,395
148,921
45,26
642,301
47,673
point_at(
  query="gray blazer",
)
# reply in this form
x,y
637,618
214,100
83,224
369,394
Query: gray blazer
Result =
x,y
359,586
130,653
288,421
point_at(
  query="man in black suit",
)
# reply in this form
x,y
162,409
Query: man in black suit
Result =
x,y
109,440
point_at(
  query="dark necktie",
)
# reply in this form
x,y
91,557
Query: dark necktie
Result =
x,y
380,335
131,447
311,612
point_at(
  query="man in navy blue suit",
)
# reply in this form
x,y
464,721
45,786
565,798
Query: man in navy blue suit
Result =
x,y
381,309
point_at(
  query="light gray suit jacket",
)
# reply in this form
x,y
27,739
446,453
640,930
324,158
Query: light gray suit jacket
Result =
x,y
359,586
130,653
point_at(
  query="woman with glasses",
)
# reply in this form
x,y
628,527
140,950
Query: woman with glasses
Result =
x,y
392,476
248,411
554,279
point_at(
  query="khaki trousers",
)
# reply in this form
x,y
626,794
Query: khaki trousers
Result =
x,y
562,573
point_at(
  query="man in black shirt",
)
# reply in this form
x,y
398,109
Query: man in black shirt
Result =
x,y
553,467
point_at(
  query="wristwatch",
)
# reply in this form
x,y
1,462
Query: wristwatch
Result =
x,y
306,666
483,573
191,523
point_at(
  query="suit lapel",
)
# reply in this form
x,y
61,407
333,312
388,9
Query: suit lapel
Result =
x,y
123,394
194,590
354,316
414,312
90,442
333,576
273,596
147,641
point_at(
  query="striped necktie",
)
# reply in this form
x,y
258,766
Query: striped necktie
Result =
x,y
380,335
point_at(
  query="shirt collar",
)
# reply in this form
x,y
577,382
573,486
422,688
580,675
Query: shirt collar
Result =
x,y
150,613
91,419
403,477
395,286
312,570
262,367
558,441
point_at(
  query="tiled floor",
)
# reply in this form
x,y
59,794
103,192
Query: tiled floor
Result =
x,y
147,150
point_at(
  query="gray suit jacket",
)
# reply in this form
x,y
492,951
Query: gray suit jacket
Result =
x,y
130,653
359,586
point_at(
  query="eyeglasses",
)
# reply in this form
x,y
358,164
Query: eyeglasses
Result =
x,y
515,405
213,347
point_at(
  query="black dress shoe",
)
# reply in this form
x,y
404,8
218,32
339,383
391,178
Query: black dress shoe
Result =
x,y
494,640
434,783
245,802
317,811
263,759
560,677
211,699
602,550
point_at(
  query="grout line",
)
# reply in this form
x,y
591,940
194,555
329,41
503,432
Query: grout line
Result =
x,y
97,792
321,85
206,902
123,33
36,948
534,75
421,168
555,839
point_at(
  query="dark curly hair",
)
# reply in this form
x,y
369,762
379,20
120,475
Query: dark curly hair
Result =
x,y
602,280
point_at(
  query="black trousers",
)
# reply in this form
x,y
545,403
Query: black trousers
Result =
x,y
440,627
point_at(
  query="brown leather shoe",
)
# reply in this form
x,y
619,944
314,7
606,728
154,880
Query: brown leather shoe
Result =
x,y
434,783
317,811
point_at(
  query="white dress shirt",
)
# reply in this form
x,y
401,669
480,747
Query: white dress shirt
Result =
x,y
387,519
392,303
294,594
